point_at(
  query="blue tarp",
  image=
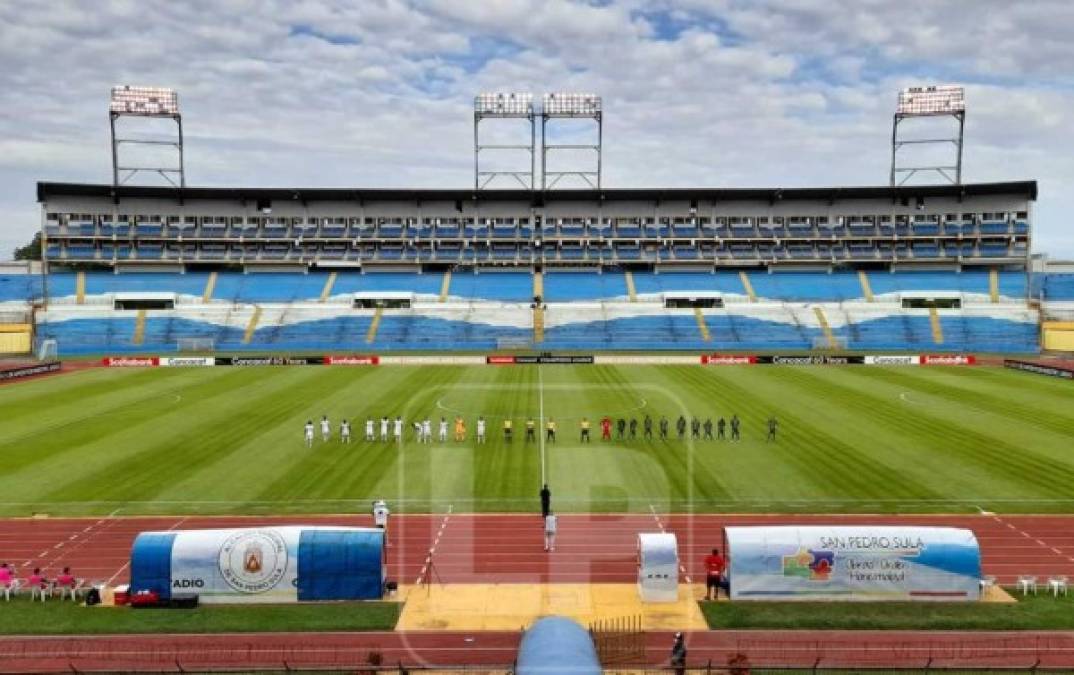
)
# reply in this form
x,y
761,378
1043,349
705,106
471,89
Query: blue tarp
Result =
x,y
340,565
151,563
557,645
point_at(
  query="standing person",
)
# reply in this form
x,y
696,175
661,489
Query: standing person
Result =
x,y
550,532
714,570
620,428
680,427
708,428
384,429
721,424
546,501
678,654
583,427
344,432
326,429
443,430
633,428
735,436
380,517
369,435
481,430
695,428
550,431
397,430
507,431
772,425
308,431
648,425
460,430
427,427
531,427
663,428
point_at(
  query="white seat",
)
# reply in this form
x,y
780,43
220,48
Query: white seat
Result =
x,y
1057,584
1027,583
12,589
988,582
71,591
38,591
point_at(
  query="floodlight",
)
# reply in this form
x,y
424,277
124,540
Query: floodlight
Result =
x,y
145,101
571,103
944,99
504,103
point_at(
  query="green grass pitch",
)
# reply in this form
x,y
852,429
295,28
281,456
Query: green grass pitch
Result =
x,y
229,440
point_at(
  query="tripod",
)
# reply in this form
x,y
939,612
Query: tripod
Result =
x,y
433,574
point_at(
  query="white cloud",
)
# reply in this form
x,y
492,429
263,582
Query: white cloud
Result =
x,y
377,92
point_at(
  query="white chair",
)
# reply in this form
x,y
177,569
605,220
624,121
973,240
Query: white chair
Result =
x,y
987,582
12,589
72,591
37,591
1057,584
1027,583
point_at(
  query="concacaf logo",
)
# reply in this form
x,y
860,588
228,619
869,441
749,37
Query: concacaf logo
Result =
x,y
253,562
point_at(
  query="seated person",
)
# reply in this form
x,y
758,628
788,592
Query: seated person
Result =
x,y
37,584
66,582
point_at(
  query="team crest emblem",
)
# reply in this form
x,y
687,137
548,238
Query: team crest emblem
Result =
x,y
253,562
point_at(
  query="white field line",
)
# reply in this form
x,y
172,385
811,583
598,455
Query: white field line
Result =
x,y
427,565
660,524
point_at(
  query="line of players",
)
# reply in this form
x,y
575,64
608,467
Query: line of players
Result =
x,y
392,430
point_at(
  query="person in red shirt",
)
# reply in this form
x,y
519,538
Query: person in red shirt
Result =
x,y
66,583
714,575
606,429
38,584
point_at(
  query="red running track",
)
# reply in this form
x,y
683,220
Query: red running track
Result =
x,y
508,548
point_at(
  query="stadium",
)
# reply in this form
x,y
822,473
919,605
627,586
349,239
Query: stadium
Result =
x,y
221,396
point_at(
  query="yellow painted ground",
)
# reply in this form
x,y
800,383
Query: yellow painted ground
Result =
x,y
996,594
514,606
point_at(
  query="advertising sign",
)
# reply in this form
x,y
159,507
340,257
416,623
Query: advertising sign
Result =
x,y
853,563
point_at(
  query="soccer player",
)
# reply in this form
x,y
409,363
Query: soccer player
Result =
x,y
714,568
443,430
460,430
708,428
663,428
481,430
531,427
584,427
680,427
648,425
369,434
326,429
309,433
550,430
633,428
620,428
384,429
418,431
773,424
507,430
550,532
397,429
546,501
344,432
695,428
735,428
427,429
721,424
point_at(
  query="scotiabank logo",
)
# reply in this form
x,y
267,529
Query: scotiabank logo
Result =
x,y
727,359
948,359
130,361
351,360
500,360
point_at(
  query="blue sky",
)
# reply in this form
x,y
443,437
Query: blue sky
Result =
x,y
696,92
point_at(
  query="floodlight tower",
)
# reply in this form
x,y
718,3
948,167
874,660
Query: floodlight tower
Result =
x,y
504,106
919,102
145,102
570,106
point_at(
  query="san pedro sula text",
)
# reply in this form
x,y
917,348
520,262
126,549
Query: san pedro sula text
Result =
x,y
867,542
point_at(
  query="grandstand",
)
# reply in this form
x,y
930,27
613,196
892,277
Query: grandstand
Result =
x,y
920,268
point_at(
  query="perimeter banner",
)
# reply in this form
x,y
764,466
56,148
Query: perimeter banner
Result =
x,y
1052,370
853,563
270,360
30,370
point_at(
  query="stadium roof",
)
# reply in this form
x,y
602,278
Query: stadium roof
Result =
x,y
47,190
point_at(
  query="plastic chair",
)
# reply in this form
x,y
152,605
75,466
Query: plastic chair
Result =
x,y
71,591
40,591
12,589
1057,584
987,582
1027,583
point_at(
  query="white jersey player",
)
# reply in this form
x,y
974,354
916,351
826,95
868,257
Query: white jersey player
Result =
x,y
397,429
309,433
550,532
369,435
345,431
384,429
480,429
380,516
443,430
427,430
418,432
326,429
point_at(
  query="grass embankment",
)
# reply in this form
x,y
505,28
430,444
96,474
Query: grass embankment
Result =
x,y
23,617
1039,612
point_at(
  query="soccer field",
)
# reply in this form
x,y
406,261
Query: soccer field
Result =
x,y
229,440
